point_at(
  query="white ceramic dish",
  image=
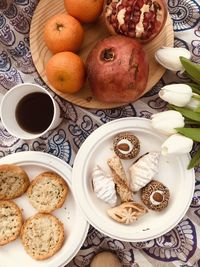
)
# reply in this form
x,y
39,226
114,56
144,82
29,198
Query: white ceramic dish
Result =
x,y
172,172
76,227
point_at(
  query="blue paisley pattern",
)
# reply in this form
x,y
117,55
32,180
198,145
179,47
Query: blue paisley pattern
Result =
x,y
181,245
7,36
10,78
6,140
2,21
21,2
19,51
185,14
20,23
155,89
3,4
5,63
178,244
23,147
11,12
195,205
82,131
111,114
180,43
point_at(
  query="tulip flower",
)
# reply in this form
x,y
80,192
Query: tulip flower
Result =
x,y
176,94
166,121
169,57
193,104
184,99
176,144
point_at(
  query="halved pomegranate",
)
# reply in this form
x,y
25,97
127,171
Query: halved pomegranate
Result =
x,y
141,19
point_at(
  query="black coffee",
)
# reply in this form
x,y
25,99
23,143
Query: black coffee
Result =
x,y
34,112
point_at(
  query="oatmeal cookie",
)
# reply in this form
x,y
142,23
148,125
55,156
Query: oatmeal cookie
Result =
x,y
10,221
47,192
14,181
42,236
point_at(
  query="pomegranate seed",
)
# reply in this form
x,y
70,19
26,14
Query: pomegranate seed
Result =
x,y
123,28
145,25
140,3
113,5
124,2
131,2
147,16
136,19
113,18
129,10
153,15
144,35
136,8
131,34
115,26
131,27
127,18
120,7
137,13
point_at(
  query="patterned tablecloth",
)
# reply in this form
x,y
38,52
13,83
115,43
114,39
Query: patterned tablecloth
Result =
x,y
179,247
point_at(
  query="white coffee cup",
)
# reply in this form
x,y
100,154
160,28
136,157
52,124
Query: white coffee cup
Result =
x,y
8,106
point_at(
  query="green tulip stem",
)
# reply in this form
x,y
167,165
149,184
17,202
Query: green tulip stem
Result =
x,y
196,97
187,113
192,122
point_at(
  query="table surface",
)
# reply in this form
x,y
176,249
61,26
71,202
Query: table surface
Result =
x,y
179,247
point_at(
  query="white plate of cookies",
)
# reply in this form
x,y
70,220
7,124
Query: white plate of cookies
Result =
x,y
125,187
40,222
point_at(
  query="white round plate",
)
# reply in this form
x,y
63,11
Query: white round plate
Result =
x,y
173,173
76,227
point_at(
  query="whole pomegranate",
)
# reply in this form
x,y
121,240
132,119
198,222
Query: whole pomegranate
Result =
x,y
117,69
141,19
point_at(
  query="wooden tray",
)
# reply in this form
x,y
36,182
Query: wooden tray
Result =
x,y
93,33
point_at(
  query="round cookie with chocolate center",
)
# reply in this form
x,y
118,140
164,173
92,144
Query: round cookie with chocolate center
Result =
x,y
155,195
126,145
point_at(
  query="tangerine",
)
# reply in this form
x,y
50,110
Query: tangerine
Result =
x,y
63,32
85,11
65,71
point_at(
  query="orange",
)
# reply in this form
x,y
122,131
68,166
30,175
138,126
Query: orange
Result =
x,y
63,32
65,71
84,10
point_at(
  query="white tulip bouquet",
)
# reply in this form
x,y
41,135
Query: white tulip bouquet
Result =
x,y
181,123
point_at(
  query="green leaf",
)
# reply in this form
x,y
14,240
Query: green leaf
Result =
x,y
195,88
192,133
192,69
188,113
197,110
193,78
195,160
